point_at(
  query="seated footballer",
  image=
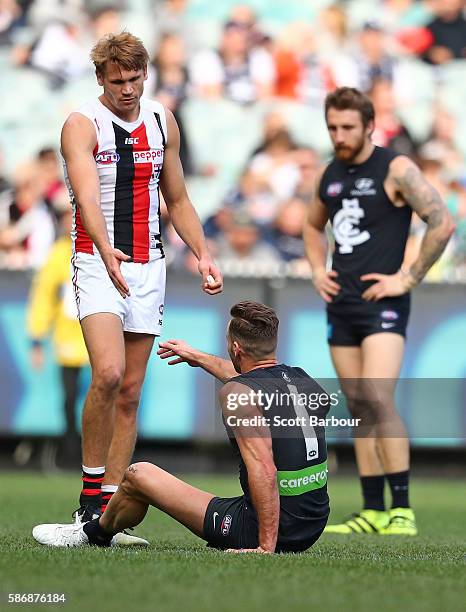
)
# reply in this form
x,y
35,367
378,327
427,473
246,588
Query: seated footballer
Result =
x,y
282,458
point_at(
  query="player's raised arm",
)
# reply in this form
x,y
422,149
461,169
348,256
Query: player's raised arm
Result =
x,y
316,245
182,212
427,203
78,139
255,445
181,352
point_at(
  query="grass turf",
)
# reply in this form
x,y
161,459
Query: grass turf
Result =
x,y
179,573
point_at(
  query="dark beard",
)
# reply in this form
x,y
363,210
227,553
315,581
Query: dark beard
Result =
x,y
347,154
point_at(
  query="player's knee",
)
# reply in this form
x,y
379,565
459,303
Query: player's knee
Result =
x,y
128,398
108,378
133,477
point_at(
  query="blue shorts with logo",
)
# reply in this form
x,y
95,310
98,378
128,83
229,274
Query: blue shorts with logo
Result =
x,y
349,324
231,522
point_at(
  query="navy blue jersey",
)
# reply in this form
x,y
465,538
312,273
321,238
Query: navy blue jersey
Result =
x,y
299,451
370,231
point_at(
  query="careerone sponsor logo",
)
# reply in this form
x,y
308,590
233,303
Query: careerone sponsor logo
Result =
x,y
151,155
297,482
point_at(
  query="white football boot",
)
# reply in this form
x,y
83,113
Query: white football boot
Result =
x,y
64,536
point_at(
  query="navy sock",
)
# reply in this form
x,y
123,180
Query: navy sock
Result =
x,y
399,486
372,492
96,534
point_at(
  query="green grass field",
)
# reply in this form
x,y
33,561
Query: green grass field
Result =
x,y
178,573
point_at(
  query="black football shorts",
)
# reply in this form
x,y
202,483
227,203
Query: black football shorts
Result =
x,y
349,324
230,522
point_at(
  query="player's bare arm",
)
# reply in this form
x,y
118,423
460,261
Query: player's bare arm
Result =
x,y
179,351
182,212
78,140
316,245
255,445
412,188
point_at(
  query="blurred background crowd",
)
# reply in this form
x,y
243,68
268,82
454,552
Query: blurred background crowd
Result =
x,y
246,83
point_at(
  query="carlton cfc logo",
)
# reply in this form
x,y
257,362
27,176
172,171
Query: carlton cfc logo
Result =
x,y
345,226
107,157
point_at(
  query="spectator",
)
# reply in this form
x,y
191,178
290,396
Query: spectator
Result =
x,y
252,193
445,131
448,31
389,131
10,12
103,20
286,235
307,162
169,79
51,173
274,122
301,74
218,223
276,166
373,61
432,162
242,243
399,15
235,71
333,30
244,16
170,17
58,52
27,238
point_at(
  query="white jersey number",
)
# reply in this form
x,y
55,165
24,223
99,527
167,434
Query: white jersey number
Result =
x,y
309,433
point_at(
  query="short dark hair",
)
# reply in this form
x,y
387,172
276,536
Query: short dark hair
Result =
x,y
350,98
255,327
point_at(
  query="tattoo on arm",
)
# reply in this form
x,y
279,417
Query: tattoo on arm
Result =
x,y
133,469
427,203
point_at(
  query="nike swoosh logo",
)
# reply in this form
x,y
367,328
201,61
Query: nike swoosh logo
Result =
x,y
215,516
388,325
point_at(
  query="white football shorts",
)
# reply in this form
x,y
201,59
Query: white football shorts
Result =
x,y
141,312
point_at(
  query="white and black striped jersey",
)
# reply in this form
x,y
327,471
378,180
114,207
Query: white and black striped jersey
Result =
x,y
129,159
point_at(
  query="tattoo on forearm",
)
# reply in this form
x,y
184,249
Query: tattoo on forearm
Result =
x,y
428,204
133,469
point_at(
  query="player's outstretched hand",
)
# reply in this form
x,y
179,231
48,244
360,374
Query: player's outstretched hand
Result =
x,y
324,284
386,285
179,351
259,550
112,259
212,281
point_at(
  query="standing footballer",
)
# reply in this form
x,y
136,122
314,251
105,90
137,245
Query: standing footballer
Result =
x,y
368,193
118,149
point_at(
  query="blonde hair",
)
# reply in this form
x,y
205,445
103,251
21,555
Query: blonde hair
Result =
x,y
123,49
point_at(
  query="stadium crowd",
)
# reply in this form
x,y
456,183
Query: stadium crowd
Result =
x,y
247,88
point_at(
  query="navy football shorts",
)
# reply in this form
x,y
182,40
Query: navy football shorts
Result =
x,y
230,522
349,324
